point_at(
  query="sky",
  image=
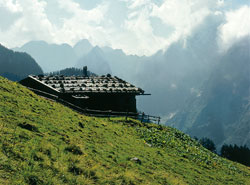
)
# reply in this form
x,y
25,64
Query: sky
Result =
x,y
140,27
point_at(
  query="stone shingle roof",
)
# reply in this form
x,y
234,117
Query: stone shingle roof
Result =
x,y
92,84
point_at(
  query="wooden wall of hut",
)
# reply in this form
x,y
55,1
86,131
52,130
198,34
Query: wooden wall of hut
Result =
x,y
114,102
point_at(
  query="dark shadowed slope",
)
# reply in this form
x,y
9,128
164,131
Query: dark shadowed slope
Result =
x,y
16,65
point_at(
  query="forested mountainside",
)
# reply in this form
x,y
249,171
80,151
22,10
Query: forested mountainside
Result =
x,y
17,65
72,71
221,110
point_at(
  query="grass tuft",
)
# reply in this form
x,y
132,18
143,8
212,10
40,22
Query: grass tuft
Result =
x,y
74,150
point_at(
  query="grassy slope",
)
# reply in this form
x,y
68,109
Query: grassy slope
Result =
x,y
42,142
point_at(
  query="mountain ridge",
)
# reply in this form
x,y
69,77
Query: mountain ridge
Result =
x,y
222,111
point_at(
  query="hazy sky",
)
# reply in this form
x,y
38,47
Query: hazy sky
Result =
x,y
137,26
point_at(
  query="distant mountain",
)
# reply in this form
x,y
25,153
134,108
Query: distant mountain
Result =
x,y
54,57
16,65
95,60
122,65
50,57
171,76
82,48
221,111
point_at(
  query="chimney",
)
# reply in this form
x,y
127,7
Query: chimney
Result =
x,y
85,71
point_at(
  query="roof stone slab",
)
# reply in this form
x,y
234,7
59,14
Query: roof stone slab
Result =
x,y
91,84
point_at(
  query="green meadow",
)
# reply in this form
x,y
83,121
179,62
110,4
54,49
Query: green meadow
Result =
x,y
43,142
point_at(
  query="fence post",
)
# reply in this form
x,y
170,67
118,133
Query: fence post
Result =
x,y
109,114
126,118
86,111
142,117
159,119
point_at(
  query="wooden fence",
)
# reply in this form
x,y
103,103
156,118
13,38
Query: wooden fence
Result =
x,y
99,113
